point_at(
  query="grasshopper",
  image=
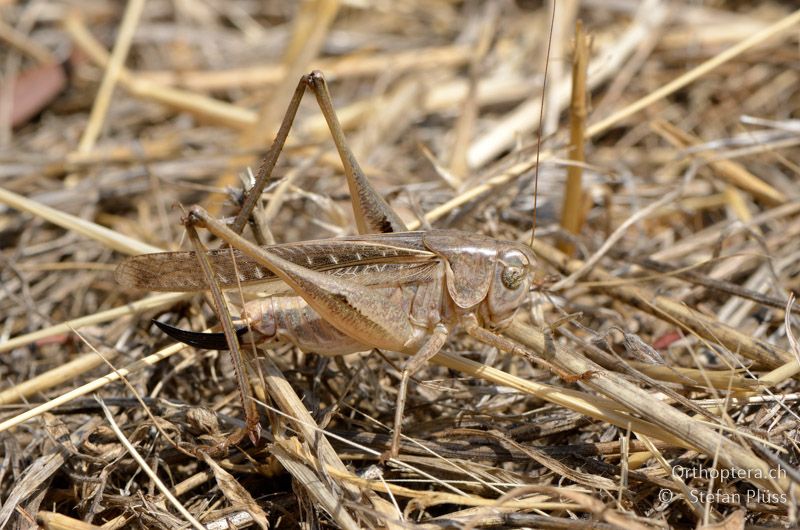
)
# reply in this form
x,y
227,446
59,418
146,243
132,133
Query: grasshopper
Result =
x,y
387,288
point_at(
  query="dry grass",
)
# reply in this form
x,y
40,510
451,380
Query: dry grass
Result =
x,y
676,293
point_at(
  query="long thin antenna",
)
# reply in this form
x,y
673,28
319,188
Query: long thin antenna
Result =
x,y
541,121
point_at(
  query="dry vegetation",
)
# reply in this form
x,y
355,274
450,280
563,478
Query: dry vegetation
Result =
x,y
676,297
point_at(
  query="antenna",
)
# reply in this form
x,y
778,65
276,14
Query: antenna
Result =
x,y
541,121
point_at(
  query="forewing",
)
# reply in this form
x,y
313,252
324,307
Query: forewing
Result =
x,y
370,259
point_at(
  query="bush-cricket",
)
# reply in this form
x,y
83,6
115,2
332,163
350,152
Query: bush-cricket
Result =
x,y
386,288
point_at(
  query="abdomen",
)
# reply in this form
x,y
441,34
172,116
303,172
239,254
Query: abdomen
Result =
x,y
290,319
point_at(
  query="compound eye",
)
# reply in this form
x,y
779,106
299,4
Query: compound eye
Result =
x,y
512,277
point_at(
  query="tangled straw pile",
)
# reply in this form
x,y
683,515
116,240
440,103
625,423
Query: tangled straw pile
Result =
x,y
675,292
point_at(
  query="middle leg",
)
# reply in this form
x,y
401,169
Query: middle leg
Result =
x,y
428,350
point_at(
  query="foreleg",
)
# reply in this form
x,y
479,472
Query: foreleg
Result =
x,y
471,326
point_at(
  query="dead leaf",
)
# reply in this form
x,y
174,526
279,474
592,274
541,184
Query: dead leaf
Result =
x,y
34,90
236,494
